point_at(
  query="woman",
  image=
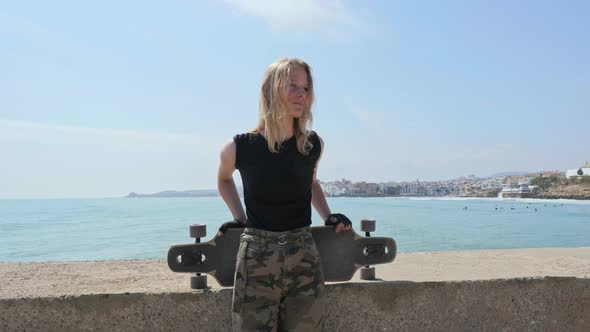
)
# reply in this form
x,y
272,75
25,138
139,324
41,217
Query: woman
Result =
x,y
279,280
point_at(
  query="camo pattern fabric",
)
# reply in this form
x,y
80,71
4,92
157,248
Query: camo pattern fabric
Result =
x,y
279,282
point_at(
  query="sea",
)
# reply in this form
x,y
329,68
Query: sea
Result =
x,y
40,230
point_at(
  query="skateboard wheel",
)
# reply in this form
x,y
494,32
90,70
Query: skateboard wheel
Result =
x,y
367,273
198,231
368,225
198,282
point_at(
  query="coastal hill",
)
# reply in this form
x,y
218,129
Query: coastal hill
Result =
x,y
554,187
550,185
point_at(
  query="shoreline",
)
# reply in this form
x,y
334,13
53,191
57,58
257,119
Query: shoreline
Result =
x,y
495,199
400,197
71,278
455,251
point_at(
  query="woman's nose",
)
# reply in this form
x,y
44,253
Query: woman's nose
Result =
x,y
301,92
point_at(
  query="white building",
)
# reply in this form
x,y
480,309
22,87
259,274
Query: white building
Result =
x,y
492,183
412,189
333,189
585,169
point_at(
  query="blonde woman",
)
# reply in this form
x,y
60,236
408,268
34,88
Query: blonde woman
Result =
x,y
279,280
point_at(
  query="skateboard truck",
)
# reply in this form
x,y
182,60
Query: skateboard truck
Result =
x,y
374,250
368,272
198,281
191,258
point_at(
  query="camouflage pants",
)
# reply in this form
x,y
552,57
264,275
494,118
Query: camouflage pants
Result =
x,y
279,282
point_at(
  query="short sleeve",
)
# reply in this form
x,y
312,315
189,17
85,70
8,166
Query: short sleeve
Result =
x,y
316,150
238,139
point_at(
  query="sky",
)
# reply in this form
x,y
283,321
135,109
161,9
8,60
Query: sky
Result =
x,y
105,98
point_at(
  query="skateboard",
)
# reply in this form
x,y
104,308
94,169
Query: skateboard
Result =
x,y
342,254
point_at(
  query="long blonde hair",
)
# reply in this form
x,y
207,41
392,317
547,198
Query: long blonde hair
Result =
x,y
272,108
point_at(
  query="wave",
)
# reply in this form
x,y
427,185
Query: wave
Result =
x,y
490,199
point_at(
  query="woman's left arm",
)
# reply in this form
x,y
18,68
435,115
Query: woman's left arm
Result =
x,y
318,200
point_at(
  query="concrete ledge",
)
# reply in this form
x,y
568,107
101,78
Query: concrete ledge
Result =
x,y
551,303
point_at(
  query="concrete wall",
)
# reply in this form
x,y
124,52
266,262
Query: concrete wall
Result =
x,y
548,304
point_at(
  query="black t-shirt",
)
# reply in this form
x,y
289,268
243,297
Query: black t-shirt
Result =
x,y
277,186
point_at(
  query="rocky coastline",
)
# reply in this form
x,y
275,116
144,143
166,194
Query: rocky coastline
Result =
x,y
560,187
549,188
574,191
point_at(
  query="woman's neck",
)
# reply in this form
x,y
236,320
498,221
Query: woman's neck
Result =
x,y
286,130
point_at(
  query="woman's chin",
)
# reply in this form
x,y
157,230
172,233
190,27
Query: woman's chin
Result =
x,y
296,113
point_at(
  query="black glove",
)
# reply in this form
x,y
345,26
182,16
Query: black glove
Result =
x,y
231,224
340,219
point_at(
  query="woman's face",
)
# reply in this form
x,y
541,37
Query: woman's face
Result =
x,y
296,97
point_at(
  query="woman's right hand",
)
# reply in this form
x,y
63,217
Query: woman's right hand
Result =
x,y
230,224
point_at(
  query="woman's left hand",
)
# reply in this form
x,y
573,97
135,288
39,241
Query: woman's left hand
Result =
x,y
339,220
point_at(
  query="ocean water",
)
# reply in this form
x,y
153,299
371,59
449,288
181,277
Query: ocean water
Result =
x,y
125,228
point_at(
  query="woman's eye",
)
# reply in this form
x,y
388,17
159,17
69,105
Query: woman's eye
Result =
x,y
294,86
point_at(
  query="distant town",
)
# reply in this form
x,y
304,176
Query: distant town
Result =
x,y
463,186
572,183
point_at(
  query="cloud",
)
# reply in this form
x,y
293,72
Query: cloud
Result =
x,y
300,14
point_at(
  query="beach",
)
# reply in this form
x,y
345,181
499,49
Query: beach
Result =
x,y
52,279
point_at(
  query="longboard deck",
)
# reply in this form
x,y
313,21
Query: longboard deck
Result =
x,y
342,254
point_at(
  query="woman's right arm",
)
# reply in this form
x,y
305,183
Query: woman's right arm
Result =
x,y
225,181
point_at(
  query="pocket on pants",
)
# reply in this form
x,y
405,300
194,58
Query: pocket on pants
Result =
x,y
309,246
318,266
240,278
250,251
